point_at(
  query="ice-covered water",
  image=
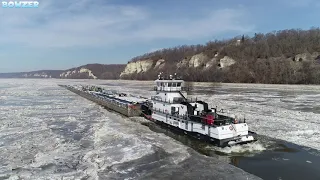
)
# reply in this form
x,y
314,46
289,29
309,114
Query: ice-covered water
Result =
x,y
286,112
47,132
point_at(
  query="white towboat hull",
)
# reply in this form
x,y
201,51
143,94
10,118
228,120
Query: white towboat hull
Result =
x,y
222,136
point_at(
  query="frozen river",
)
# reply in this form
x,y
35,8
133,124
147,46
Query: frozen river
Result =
x,y
46,131
281,114
287,112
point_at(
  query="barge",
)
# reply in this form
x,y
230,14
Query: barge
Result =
x,y
170,106
109,99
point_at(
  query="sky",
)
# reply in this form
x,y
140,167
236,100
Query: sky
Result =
x,y
62,34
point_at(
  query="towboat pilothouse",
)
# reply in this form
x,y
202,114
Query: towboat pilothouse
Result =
x,y
171,106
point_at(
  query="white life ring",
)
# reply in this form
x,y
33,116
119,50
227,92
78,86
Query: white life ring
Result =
x,y
231,128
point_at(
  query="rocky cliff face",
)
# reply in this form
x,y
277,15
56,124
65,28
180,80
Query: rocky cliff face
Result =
x,y
81,73
89,71
226,62
306,56
137,67
142,66
198,61
94,71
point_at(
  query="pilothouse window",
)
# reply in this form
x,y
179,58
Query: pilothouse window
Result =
x,y
179,84
170,85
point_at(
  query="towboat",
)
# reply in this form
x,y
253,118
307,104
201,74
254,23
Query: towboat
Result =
x,y
171,106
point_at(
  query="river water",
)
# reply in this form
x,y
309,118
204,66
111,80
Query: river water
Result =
x,y
47,132
287,117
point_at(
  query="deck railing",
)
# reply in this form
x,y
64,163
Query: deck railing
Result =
x,y
219,121
174,101
171,89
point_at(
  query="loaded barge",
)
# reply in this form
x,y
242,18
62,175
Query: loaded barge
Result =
x,y
170,106
111,100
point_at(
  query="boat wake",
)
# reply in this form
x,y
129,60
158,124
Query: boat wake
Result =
x,y
249,148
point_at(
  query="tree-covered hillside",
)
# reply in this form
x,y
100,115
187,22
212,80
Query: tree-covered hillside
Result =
x,y
286,56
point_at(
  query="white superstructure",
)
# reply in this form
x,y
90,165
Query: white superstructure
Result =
x,y
171,106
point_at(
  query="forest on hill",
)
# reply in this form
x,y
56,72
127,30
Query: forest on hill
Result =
x,y
287,56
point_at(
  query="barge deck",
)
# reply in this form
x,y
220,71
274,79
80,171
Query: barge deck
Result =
x,y
110,101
